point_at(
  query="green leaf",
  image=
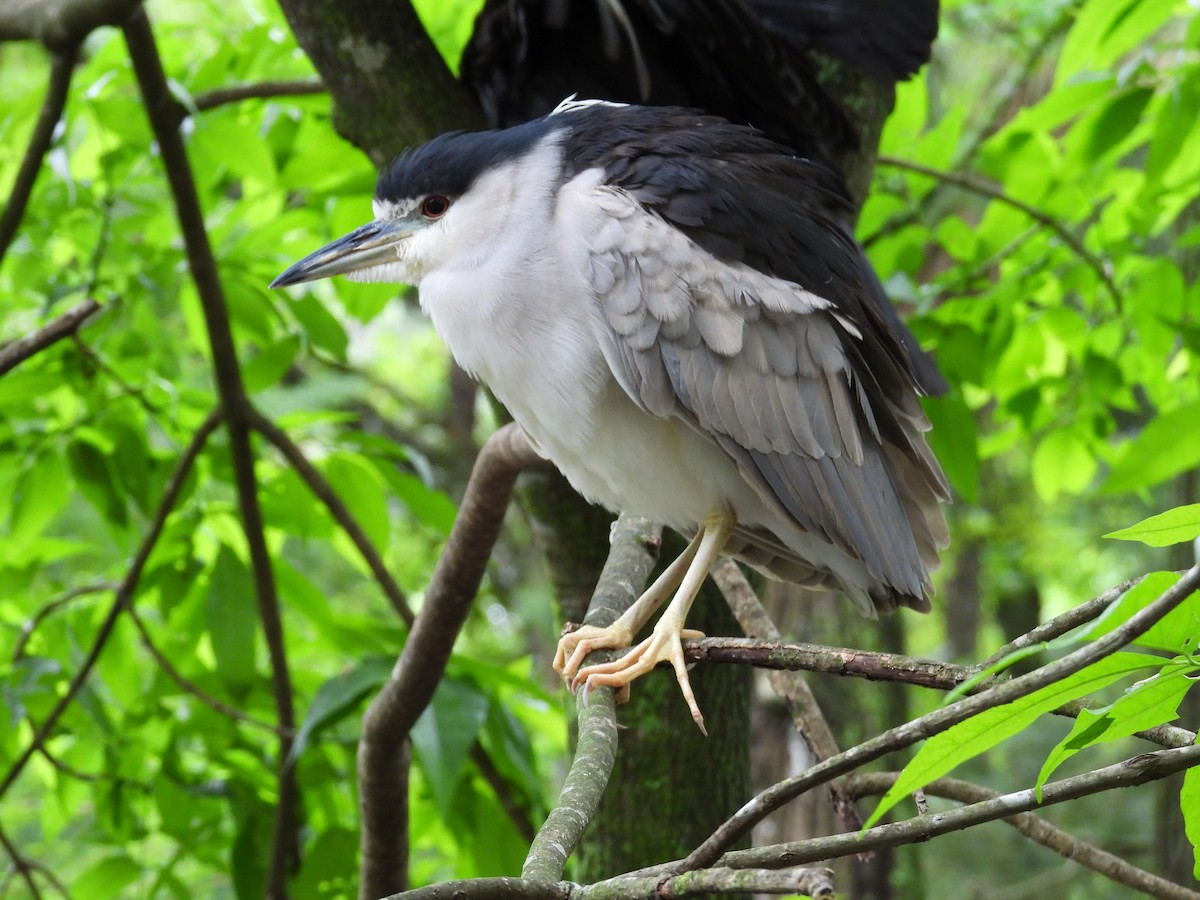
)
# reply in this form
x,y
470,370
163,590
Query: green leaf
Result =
x,y
1062,463
361,488
1171,527
1189,802
107,878
338,697
1170,444
943,752
955,442
323,330
232,620
444,734
1147,704
1176,632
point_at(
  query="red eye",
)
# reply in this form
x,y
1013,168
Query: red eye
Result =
x,y
434,206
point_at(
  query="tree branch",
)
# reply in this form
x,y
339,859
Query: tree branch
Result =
x,y
31,625
383,747
1130,772
60,23
1038,830
189,687
262,90
122,598
869,664
974,185
61,68
324,492
806,712
816,883
163,113
1060,625
635,544
937,721
16,352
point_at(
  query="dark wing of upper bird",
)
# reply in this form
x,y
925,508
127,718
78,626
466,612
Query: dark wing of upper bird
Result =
x,y
745,60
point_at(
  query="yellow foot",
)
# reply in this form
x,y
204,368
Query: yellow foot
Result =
x,y
663,645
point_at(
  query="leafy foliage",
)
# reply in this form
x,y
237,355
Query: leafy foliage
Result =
x,y
1037,218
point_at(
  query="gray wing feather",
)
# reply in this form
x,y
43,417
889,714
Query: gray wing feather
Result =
x,y
778,383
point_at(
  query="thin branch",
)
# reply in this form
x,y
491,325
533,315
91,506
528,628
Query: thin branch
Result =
x,y
974,185
806,712
163,112
1129,773
122,598
21,864
488,889
635,544
16,352
32,625
55,101
1060,625
1038,830
938,721
816,883
324,491
869,664
190,687
262,90
383,747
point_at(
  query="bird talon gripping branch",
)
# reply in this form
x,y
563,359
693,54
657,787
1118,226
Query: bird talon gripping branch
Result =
x,y
675,310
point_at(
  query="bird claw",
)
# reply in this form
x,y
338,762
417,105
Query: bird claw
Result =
x,y
662,646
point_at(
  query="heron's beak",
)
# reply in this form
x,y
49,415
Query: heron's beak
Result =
x,y
373,244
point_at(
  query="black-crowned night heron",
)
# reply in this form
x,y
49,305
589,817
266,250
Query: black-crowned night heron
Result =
x,y
668,306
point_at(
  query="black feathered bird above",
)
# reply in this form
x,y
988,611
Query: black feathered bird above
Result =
x,y
670,307
761,62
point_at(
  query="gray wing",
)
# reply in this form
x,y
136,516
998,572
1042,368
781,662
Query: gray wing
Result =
x,y
774,375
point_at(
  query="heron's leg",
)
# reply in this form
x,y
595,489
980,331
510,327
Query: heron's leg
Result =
x,y
573,648
664,643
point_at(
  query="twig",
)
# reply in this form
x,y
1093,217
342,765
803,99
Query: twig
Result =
x,y
163,112
635,546
121,600
324,492
1128,773
382,750
22,864
816,883
864,784
16,352
263,90
1060,625
973,184
31,625
806,712
55,101
938,721
869,664
191,688
488,889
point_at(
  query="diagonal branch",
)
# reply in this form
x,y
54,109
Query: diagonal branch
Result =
x,y
324,491
1038,830
634,551
1129,773
383,749
122,597
976,186
163,112
39,143
806,712
16,352
261,90
936,722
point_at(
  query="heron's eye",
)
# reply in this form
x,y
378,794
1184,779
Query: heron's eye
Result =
x,y
434,206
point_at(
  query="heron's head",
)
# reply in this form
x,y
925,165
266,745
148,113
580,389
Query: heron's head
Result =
x,y
443,203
